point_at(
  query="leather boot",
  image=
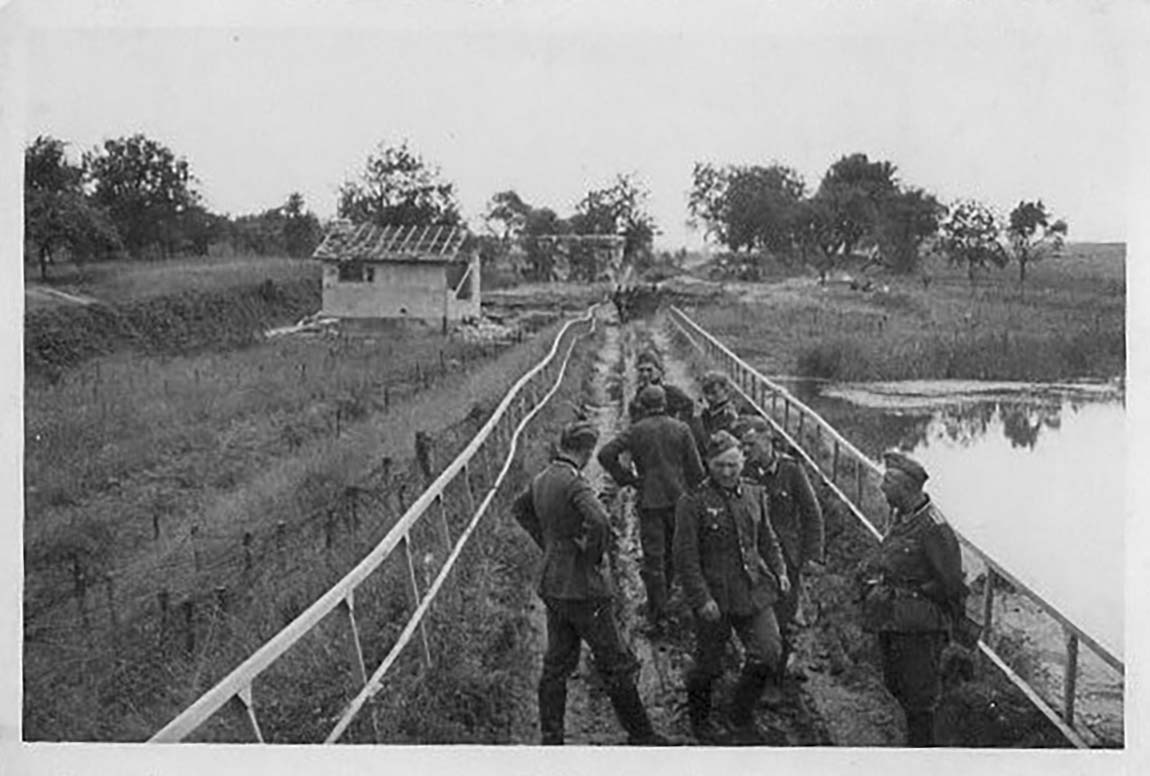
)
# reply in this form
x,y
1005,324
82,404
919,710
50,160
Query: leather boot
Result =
x,y
633,715
747,693
703,728
552,709
920,728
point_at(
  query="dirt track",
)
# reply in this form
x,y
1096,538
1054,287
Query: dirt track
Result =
x,y
837,704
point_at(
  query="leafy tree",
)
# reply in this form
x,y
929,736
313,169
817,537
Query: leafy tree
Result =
x,y
815,237
397,187
1033,235
618,209
144,187
853,189
57,214
301,229
748,207
905,220
507,211
971,235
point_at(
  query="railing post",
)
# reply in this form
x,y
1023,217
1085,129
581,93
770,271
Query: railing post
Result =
x,y
416,598
470,493
358,663
859,483
1070,684
835,464
244,699
799,431
786,413
988,604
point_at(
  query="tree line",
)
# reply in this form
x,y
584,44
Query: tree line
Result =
x,y
759,211
135,197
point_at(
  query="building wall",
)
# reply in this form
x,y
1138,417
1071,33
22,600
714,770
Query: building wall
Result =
x,y
397,290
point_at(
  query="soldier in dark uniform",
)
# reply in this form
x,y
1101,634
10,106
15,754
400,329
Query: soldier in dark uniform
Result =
x,y
719,413
732,571
915,595
666,464
565,518
795,513
650,370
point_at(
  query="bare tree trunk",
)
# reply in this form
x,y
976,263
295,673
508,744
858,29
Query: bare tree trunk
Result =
x,y
44,264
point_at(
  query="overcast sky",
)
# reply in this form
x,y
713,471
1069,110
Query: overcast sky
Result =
x,y
554,98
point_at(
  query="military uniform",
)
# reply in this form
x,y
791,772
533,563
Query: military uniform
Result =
x,y
563,515
915,592
666,463
679,405
726,551
798,522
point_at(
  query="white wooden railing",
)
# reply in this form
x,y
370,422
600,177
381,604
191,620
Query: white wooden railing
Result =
x,y
803,428
498,437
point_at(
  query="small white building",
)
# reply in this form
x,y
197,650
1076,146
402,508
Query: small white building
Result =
x,y
420,272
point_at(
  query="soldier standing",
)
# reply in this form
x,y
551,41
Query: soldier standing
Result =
x,y
915,595
560,511
795,514
650,371
732,570
720,413
666,463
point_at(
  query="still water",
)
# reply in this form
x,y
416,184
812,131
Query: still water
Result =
x,y
1034,475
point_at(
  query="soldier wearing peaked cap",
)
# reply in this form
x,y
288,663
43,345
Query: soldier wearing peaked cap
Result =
x,y
915,594
665,465
733,572
720,413
561,512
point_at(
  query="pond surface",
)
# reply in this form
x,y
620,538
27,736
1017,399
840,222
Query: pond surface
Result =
x,y
1032,474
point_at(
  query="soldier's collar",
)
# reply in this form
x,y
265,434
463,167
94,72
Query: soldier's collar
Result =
x,y
905,517
561,458
735,491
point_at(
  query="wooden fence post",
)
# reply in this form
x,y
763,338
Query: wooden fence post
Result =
x,y
189,607
247,551
195,531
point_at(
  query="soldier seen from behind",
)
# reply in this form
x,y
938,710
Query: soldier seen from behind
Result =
x,y
665,464
914,595
732,570
561,512
795,513
649,367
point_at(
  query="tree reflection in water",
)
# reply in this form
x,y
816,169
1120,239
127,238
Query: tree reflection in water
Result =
x,y
964,424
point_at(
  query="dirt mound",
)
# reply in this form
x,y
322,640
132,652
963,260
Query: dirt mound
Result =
x,y
61,337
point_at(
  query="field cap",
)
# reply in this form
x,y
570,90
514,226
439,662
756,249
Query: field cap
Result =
x,y
719,443
715,378
649,357
750,424
652,397
579,434
899,461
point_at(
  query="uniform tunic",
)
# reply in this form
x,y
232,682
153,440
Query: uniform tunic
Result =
x,y
679,405
916,587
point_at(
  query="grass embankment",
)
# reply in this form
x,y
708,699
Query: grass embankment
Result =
x,y
1068,322
214,306
150,478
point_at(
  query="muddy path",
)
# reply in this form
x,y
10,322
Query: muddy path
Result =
x,y
827,701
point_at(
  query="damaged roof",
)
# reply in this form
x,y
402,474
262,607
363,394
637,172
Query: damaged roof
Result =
x,y
368,242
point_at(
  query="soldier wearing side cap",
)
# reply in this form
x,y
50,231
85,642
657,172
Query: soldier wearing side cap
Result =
x,y
796,514
561,512
914,597
732,571
665,465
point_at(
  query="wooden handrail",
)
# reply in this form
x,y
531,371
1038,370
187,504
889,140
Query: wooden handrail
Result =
x,y
695,334
240,679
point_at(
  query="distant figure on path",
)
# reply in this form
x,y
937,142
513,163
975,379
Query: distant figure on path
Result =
x,y
732,571
561,512
795,514
914,596
666,464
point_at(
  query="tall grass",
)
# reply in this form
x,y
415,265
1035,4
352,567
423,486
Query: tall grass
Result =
x,y
233,444
1066,325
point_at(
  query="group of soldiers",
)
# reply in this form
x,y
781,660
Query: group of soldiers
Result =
x,y
726,513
